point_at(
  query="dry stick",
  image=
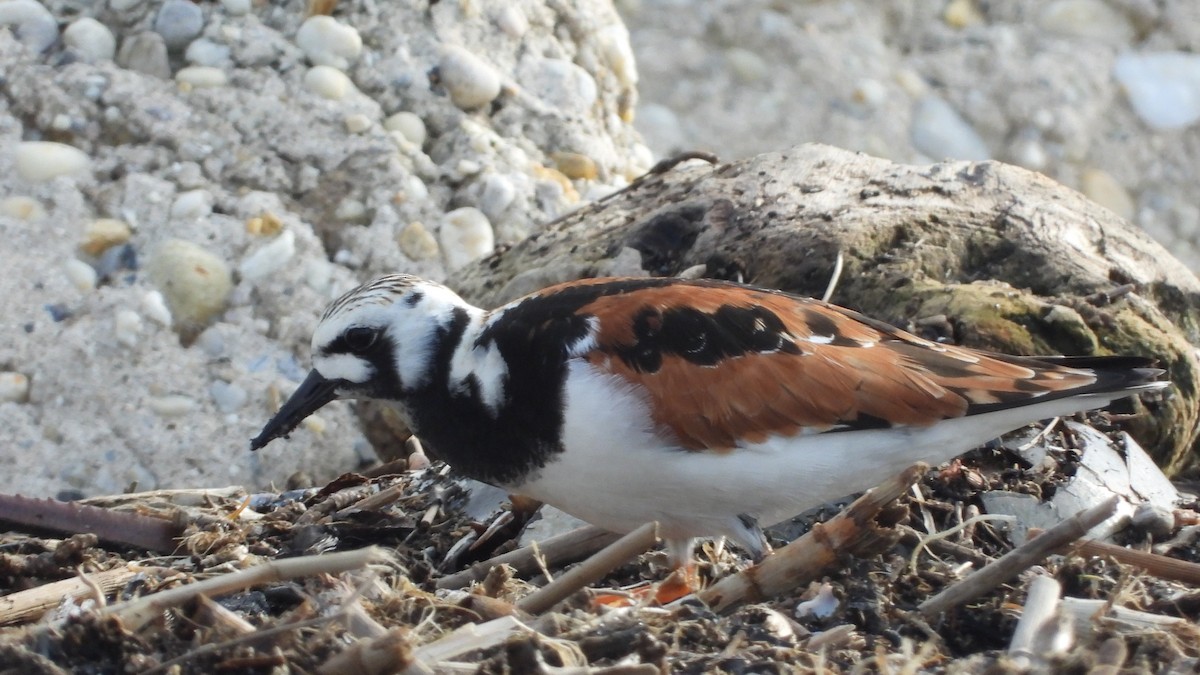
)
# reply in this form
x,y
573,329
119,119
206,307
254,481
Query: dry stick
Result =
x,y
854,529
1015,561
591,570
136,613
376,501
1041,604
29,605
1161,566
557,550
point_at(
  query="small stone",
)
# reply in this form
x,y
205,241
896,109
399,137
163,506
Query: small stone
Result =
x,y
911,82
939,132
270,258
328,82
575,166
174,405
237,7
205,52
123,5
40,161
91,39
22,208
417,243
1101,187
145,53
104,233
1154,519
350,210
1092,20
81,275
179,22
470,81
871,93
961,14
466,235
357,123
127,326
31,23
328,42
1163,87
155,307
410,125
14,387
512,20
1029,153
614,45
747,66
268,224
192,205
229,398
195,283
560,83
498,194
201,77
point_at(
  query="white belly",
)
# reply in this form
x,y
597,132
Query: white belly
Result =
x,y
615,472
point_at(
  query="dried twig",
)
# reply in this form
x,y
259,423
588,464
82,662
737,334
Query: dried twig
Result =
x,y
1012,563
119,527
591,570
1161,566
557,550
376,501
29,605
853,530
1041,605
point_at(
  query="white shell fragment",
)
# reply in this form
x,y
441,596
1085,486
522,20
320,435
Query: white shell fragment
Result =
x,y
202,77
269,259
328,42
40,161
14,387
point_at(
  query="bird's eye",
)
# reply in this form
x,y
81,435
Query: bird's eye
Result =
x,y
359,338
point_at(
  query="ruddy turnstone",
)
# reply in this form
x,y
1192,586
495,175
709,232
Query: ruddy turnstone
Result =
x,y
706,406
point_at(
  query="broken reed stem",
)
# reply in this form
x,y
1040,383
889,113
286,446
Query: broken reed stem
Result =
x,y
136,613
1161,566
1019,559
854,529
1041,604
31,604
591,570
557,550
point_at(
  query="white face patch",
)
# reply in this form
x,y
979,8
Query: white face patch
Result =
x,y
344,367
483,364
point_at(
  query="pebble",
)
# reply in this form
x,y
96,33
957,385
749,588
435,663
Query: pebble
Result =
x,y
1091,20
14,387
512,20
40,161
1163,87
179,22
201,77
470,81
1101,187
81,275
205,52
870,92
192,205
417,243
498,194
350,210
194,282
575,166
1154,519
268,224
172,405
1029,153
357,123
145,53
561,84
228,397
961,14
614,45
91,39
270,258
32,24
22,208
127,326
237,7
328,42
328,82
466,236
410,125
747,66
939,132
155,308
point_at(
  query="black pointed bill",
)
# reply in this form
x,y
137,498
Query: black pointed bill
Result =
x,y
314,392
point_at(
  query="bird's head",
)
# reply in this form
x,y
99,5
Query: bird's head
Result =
x,y
377,341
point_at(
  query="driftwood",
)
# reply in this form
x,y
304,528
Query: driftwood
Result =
x,y
985,254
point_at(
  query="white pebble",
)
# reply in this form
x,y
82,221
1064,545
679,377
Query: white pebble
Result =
x,y
350,210
357,123
470,81
228,397
205,52
39,161
747,66
14,387
172,405
201,77
870,92
80,274
123,5
269,259
22,208
498,195
127,325
154,306
939,132
31,23
512,20
237,7
328,82
614,44
1163,87
417,243
466,235
1089,19
194,282
561,84
91,39
192,205
328,42
179,22
410,125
